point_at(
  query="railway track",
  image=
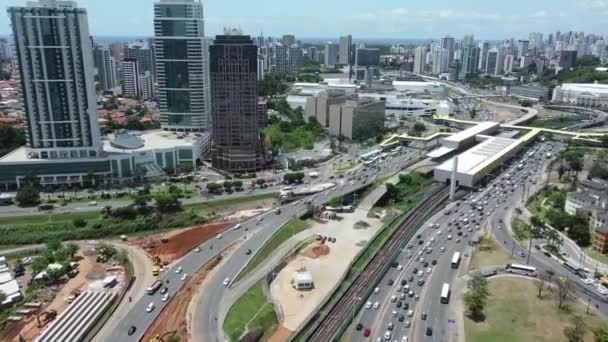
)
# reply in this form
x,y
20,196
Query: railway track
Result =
x,y
330,325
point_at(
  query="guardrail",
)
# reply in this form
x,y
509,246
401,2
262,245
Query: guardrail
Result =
x,y
335,321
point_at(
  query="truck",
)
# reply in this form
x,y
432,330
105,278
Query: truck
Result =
x,y
155,270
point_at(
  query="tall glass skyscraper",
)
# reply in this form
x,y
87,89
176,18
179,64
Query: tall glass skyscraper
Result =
x,y
56,78
181,65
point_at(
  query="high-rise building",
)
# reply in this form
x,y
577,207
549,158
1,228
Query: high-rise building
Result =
x,y
182,65
508,64
344,55
525,61
236,144
130,78
522,48
566,60
419,60
261,67
146,86
448,44
483,55
5,50
468,40
288,40
56,82
470,60
491,62
142,53
331,54
311,53
293,62
106,67
280,58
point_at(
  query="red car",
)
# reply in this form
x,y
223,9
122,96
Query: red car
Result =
x,y
366,332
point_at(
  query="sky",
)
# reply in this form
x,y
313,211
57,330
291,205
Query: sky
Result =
x,y
486,19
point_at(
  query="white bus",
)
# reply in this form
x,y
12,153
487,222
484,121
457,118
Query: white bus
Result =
x,y
445,293
456,260
154,287
521,269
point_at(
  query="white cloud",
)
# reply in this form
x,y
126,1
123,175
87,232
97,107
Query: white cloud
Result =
x,y
399,11
445,13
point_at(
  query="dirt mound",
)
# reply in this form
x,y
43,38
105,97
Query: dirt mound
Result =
x,y
281,334
316,250
177,244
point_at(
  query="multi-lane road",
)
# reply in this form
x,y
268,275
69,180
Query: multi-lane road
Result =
x,y
250,236
390,305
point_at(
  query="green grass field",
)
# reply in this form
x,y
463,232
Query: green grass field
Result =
x,y
251,311
293,227
521,230
488,253
515,313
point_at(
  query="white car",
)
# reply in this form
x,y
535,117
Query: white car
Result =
x,y
407,324
387,335
449,237
394,313
429,270
420,273
368,305
237,226
410,313
400,268
165,297
404,339
377,290
602,290
376,305
226,281
178,270
197,249
393,299
587,281
219,236
442,249
185,276
150,307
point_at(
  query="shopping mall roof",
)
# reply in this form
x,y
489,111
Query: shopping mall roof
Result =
x,y
455,140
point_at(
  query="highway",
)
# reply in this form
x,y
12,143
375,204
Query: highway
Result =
x,y
442,318
251,235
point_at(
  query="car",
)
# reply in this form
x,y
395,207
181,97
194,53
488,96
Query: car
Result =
x,y
260,219
178,270
376,305
415,270
429,270
410,313
185,276
366,332
406,306
165,297
429,331
420,273
420,282
390,282
150,307
218,236
420,242
402,296
426,264
423,316
248,252
390,326
521,254
407,324
410,279
457,240
368,305
226,281
400,268
131,330
394,313
164,290
410,294
449,237
434,262
387,335
403,282
197,249
401,318
393,299
377,290
359,326
417,297
442,249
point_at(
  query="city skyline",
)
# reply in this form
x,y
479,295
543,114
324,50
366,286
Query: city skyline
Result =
x,y
391,19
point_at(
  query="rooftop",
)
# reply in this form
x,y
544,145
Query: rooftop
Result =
x,y
481,155
149,140
471,132
585,87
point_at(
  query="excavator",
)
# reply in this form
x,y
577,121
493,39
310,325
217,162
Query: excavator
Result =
x,y
48,316
161,338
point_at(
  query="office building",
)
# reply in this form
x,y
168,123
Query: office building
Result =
x,y
525,61
130,78
142,53
318,105
365,57
491,62
288,40
566,60
261,67
58,91
236,144
182,65
470,60
357,119
522,48
582,94
146,86
281,62
484,47
344,54
311,53
106,67
419,60
448,44
331,54
508,64
293,61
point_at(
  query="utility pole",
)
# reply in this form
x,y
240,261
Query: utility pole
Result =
x,y
453,180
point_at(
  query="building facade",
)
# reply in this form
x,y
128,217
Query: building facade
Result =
x,y
57,89
331,54
236,144
345,53
357,119
131,85
182,65
106,67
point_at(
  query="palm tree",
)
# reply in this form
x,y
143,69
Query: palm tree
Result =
x,y
518,211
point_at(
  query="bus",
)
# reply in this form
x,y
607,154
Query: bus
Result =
x,y
445,293
456,260
154,287
572,267
521,269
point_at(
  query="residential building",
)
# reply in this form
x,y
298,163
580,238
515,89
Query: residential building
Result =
x,y
5,50
261,67
130,77
142,53
236,144
599,238
146,86
288,39
522,48
419,60
331,54
448,44
182,65
281,62
484,47
106,67
57,92
508,65
345,52
357,119
566,60
576,201
491,62
293,62
525,61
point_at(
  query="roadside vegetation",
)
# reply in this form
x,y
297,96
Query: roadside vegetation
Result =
x,y
252,314
488,253
290,130
527,311
10,138
521,230
290,229
147,213
555,123
404,195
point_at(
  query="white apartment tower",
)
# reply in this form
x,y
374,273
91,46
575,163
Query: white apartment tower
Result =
x,y
419,60
54,57
182,65
344,54
106,67
293,61
130,76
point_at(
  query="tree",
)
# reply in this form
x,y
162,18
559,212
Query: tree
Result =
x,y
39,264
10,138
79,222
71,249
518,211
479,285
214,188
2,297
392,192
335,201
140,202
564,286
475,303
123,257
419,127
601,333
167,203
540,285
576,332
549,273
27,196
53,245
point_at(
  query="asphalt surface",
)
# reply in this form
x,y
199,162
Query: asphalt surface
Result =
x,y
250,236
438,317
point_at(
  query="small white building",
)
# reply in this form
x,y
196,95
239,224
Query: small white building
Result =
x,y
302,279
